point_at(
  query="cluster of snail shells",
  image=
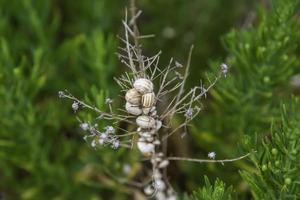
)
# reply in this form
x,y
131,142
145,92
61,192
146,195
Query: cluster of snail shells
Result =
x,y
140,102
141,98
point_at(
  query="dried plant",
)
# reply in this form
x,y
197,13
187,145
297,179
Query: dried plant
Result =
x,y
147,86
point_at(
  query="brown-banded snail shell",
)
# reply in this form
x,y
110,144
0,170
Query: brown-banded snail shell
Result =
x,y
146,122
143,85
148,100
133,96
133,109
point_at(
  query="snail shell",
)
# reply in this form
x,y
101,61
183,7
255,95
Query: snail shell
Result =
x,y
150,139
145,148
133,109
156,142
143,85
148,100
145,134
163,164
145,122
133,96
158,125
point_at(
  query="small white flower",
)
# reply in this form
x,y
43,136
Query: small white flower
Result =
x,y
212,155
109,129
104,136
75,106
84,126
115,144
101,141
224,69
189,113
108,101
61,94
93,144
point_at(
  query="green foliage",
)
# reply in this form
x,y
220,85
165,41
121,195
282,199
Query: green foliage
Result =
x,y
217,191
263,58
277,160
42,153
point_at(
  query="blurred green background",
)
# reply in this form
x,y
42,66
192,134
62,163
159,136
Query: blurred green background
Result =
x,y
51,45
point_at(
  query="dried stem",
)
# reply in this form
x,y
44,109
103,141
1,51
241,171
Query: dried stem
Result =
x,y
207,160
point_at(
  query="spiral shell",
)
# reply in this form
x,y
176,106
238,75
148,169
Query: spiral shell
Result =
x,y
146,122
145,134
145,148
133,96
148,100
158,125
143,85
133,109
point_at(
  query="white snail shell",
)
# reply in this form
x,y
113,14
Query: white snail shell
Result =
x,y
133,96
158,124
163,164
143,85
133,109
149,190
157,175
156,142
148,100
150,139
145,122
160,185
145,134
145,148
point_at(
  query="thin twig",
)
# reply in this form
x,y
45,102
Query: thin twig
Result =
x,y
207,160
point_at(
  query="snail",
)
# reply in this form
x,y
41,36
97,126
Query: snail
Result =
x,y
133,109
158,125
163,164
145,148
143,85
146,134
146,122
148,100
133,96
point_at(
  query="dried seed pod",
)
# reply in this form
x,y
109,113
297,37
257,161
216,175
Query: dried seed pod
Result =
x,y
145,148
133,109
133,96
148,100
143,85
145,122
